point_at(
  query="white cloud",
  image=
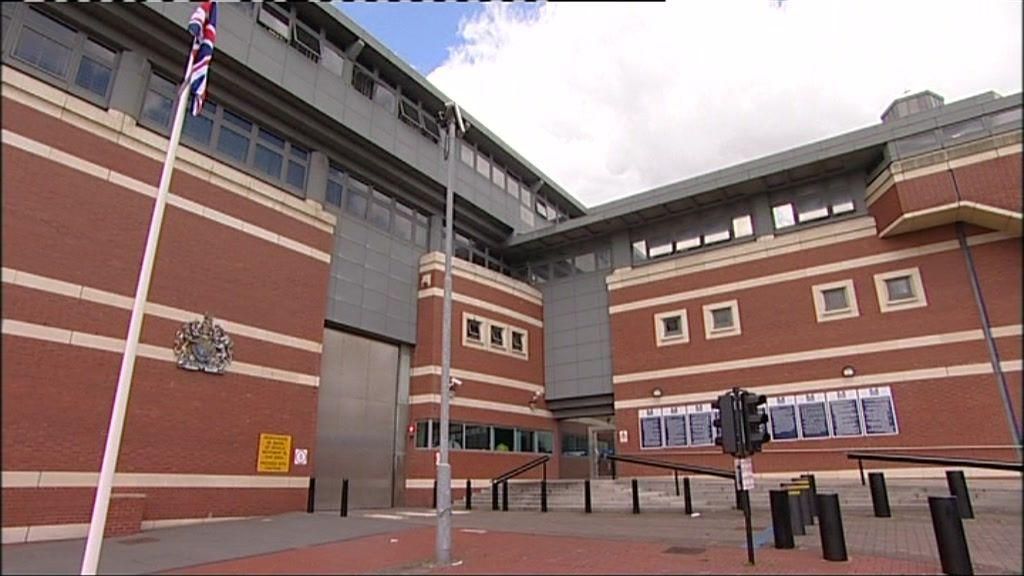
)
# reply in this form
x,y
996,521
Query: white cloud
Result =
x,y
611,99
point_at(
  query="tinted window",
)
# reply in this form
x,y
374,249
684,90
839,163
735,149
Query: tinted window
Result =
x,y
233,144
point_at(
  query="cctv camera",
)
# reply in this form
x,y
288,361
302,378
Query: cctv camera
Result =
x,y
455,382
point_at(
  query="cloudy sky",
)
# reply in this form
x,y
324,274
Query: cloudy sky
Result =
x,y
611,99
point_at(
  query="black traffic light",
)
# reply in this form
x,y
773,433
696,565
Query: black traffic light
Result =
x,y
755,422
725,424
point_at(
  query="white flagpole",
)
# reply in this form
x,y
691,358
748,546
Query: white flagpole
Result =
x,y
98,524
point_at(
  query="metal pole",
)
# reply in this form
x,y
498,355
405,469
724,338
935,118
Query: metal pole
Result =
x,y
782,527
954,555
958,487
504,495
469,494
97,525
344,498
687,499
675,473
310,495
636,498
444,471
833,539
586,497
879,496
745,499
494,496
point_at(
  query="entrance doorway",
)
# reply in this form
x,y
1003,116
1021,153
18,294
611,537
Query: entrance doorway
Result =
x,y
602,444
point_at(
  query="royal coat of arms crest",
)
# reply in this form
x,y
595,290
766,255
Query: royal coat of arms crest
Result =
x,y
201,345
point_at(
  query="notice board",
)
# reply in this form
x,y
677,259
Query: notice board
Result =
x,y
275,452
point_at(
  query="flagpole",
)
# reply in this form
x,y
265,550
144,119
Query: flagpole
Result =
x,y
93,543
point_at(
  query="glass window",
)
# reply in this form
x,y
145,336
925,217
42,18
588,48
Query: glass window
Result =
x,y
835,299
363,82
473,329
812,208
962,129
268,161
498,336
157,108
524,441
93,76
545,442
518,341
900,288
672,326
477,437
384,97
355,200
403,227
455,437
200,128
842,206
421,434
296,174
232,143
435,433
639,250
513,187
541,273
498,177
483,166
717,236
783,216
721,318
236,120
380,216
562,268
658,248
422,227
42,52
1006,117
585,263
334,190
466,154
504,439
604,258
524,195
742,226
575,445
688,243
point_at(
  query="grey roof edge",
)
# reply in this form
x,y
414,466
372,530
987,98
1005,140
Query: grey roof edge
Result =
x,y
858,139
415,76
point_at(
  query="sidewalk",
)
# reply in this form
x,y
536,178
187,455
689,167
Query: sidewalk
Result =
x,y
402,542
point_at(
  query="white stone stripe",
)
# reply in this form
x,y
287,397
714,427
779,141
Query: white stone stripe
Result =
x,y
475,302
108,344
435,370
54,286
59,479
432,261
965,205
121,128
801,273
806,355
830,383
481,404
33,147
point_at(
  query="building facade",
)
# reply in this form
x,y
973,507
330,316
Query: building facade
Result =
x,y
868,284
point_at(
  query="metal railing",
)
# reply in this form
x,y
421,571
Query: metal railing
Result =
x,y
860,457
691,468
504,478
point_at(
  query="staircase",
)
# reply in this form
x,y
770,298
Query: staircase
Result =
x,y
709,493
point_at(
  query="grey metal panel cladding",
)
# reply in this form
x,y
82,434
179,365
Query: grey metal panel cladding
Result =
x,y
576,337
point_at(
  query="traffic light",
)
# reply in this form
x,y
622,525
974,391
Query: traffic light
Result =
x,y
725,424
755,422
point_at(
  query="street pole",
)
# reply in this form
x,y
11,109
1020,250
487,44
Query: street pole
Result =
x,y
444,471
94,541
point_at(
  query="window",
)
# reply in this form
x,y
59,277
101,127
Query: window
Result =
x,y
525,441
585,263
575,445
562,268
269,157
900,290
671,328
742,226
518,341
64,57
483,166
513,187
835,301
356,197
783,216
811,208
455,436
545,442
478,437
498,177
421,434
716,237
721,319
504,439
474,330
497,336
466,154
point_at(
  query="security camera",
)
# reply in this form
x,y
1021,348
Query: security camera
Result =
x,y
455,113
455,382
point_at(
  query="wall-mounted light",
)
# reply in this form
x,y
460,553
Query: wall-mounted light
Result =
x,y
534,400
657,392
848,372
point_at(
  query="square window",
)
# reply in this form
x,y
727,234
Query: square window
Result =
x,y
835,300
900,290
545,442
671,328
232,143
483,166
783,216
93,76
721,319
518,341
688,243
812,208
717,236
524,441
842,206
478,437
474,329
742,226
333,193
498,336
42,52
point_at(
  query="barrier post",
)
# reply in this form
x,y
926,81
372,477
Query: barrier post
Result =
x,y
781,523
687,499
958,488
433,503
676,474
795,512
310,495
469,494
494,496
833,540
879,496
543,495
504,495
636,497
344,498
586,496
949,535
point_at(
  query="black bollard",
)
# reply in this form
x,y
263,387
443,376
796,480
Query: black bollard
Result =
x,y
808,506
636,498
687,499
949,535
739,501
676,474
344,498
958,488
504,495
469,494
543,495
814,492
586,497
494,496
796,517
833,541
310,495
781,524
879,496
433,503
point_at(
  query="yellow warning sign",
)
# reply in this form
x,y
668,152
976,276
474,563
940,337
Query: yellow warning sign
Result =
x,y
275,452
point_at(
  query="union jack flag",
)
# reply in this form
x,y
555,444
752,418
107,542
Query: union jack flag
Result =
x,y
203,27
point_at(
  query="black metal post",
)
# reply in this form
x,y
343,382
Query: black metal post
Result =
x,y
879,497
676,474
586,497
958,488
808,506
781,524
433,503
494,496
469,494
745,501
860,464
814,492
344,497
504,495
796,517
739,501
310,495
543,495
833,540
636,497
949,535
687,499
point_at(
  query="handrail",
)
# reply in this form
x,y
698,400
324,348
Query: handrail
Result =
x,y
938,461
520,469
729,474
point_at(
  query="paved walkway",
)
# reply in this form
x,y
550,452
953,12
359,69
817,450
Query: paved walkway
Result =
x,y
402,542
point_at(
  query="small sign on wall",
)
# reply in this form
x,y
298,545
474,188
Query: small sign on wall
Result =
x,y
275,450
623,436
301,457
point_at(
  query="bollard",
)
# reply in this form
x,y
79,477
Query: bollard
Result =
x,y
958,488
676,474
782,526
879,497
494,496
543,495
636,498
796,521
833,541
949,535
739,503
344,497
814,492
586,497
433,503
687,499
504,495
310,495
803,492
469,494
